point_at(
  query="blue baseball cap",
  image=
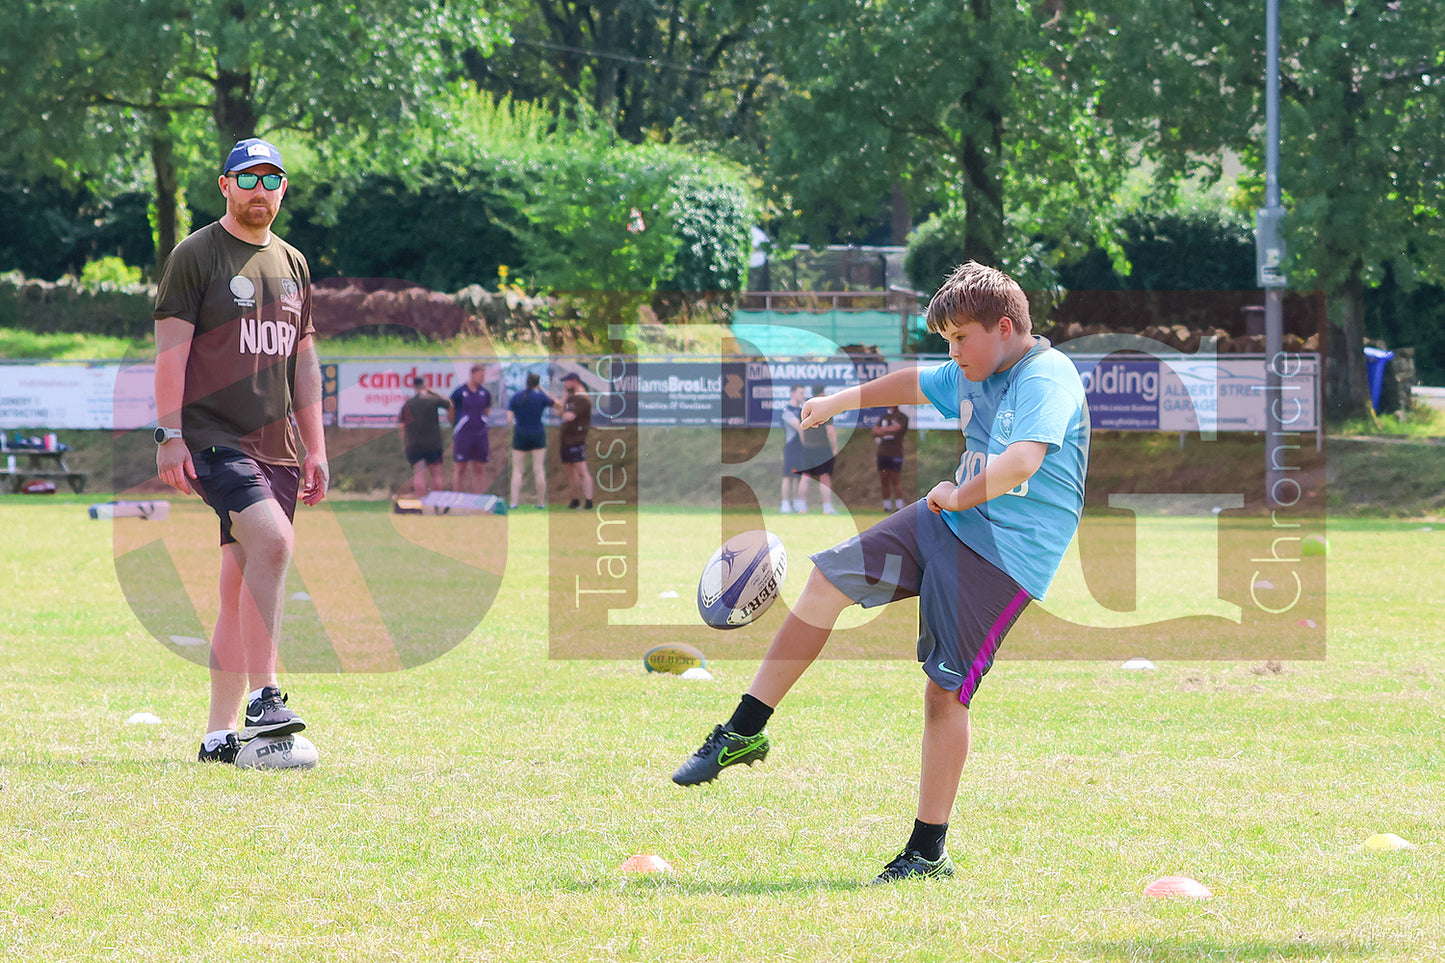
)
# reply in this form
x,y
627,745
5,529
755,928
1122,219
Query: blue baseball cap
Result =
x,y
252,152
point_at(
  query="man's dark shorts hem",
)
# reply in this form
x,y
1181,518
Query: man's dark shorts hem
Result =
x,y
230,482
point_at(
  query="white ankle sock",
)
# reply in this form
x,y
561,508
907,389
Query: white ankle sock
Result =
x,y
214,740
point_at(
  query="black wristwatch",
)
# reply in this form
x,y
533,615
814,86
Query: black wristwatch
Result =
x,y
164,435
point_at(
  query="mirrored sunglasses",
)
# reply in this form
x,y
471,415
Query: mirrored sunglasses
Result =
x,y
247,181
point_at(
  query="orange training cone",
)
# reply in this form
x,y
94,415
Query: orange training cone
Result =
x,y
1178,886
645,863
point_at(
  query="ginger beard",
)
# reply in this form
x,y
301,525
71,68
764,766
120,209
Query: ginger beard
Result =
x,y
257,208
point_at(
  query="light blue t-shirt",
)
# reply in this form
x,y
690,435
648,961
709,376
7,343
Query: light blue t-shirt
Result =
x,y
1041,398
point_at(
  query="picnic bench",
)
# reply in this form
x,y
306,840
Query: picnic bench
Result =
x,y
23,461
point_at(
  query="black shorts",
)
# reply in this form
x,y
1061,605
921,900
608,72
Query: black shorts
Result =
x,y
573,454
893,463
792,458
529,439
816,464
432,456
230,481
966,605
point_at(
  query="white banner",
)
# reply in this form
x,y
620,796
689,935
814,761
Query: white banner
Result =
x,y
51,396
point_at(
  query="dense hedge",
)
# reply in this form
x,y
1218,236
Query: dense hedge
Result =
x,y
449,231
48,230
43,306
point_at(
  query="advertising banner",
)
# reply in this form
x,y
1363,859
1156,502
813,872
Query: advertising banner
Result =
x,y
55,396
1126,392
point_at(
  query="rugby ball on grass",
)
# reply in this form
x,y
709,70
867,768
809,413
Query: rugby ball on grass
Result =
x,y
676,658
742,579
293,751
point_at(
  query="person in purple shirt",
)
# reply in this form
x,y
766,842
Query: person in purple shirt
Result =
x,y
471,448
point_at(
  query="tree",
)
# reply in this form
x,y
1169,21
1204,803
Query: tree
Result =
x,y
180,82
1362,155
985,108
666,69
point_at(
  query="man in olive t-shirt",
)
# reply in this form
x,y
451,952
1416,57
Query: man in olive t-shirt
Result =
x,y
235,363
421,437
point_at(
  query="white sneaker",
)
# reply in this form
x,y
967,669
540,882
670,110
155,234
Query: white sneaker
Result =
x,y
800,507
786,508
828,509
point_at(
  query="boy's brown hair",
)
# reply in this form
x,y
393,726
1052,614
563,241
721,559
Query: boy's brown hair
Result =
x,y
974,292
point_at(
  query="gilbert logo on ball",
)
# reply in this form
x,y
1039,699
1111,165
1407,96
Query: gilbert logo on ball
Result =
x,y
675,658
742,579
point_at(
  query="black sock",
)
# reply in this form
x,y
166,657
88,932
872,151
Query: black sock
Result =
x,y
750,716
927,839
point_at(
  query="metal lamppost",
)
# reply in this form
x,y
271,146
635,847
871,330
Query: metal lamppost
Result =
x,y
1269,255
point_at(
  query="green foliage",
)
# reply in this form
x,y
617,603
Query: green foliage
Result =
x,y
1171,250
1412,316
113,311
1421,421
712,220
109,272
49,229
1010,136
17,343
506,185
934,249
116,87
675,70
445,230
1362,117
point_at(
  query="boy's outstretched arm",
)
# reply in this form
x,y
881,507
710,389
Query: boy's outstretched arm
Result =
x,y
1003,474
895,388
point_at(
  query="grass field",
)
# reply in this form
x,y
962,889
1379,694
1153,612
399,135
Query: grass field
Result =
x,y
477,807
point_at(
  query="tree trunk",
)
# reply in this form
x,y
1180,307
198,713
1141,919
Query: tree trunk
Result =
x,y
1346,309
235,115
902,215
167,199
980,150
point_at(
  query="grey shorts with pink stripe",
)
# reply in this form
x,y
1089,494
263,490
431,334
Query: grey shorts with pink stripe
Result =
x,y
966,605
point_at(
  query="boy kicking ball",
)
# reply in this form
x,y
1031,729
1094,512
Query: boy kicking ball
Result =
x,y
974,552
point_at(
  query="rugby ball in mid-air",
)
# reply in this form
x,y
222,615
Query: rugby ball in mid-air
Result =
x,y
676,657
742,579
293,751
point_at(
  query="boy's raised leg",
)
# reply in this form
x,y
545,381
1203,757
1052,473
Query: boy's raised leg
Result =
x,y
799,641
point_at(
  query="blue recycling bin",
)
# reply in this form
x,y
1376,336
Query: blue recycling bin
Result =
x,y
1375,361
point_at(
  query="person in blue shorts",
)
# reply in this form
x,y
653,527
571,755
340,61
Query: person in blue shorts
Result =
x,y
471,447
974,552
524,414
